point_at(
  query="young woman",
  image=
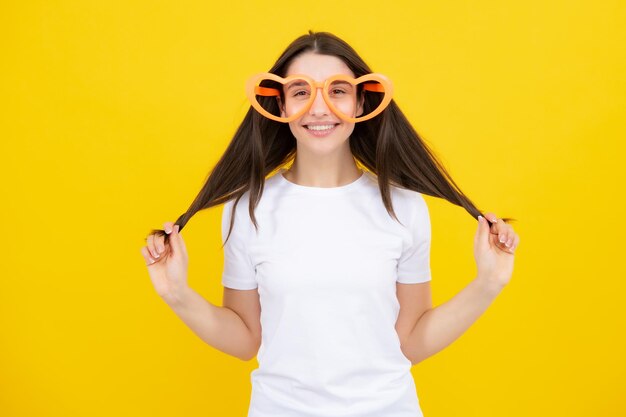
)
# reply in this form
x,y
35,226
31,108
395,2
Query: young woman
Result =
x,y
327,261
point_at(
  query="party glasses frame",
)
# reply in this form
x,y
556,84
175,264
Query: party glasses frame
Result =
x,y
252,90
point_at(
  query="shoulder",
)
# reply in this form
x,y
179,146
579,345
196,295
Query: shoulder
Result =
x,y
411,205
242,218
414,200
242,227
241,202
406,203
271,191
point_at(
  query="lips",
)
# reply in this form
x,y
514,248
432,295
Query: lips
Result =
x,y
320,127
320,131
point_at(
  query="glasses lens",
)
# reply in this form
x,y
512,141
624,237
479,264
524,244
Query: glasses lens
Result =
x,y
297,95
344,94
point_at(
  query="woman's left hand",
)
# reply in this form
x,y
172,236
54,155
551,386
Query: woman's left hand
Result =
x,y
494,250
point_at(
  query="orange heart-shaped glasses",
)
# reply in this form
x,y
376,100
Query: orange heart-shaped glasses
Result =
x,y
377,83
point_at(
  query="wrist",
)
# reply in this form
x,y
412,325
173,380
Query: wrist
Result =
x,y
489,284
178,297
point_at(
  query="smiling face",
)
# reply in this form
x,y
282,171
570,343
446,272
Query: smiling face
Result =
x,y
319,128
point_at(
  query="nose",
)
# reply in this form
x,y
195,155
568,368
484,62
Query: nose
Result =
x,y
319,106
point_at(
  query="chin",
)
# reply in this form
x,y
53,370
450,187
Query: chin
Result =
x,y
335,139
320,149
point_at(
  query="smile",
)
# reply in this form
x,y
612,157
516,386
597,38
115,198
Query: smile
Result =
x,y
324,127
320,130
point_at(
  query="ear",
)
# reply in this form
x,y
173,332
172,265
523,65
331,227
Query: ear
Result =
x,y
281,107
360,104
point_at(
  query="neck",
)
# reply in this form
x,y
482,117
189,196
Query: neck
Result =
x,y
326,173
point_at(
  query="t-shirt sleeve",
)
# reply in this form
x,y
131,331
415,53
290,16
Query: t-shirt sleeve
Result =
x,y
239,272
414,262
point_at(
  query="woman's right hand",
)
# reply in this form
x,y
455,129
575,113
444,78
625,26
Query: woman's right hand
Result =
x,y
167,261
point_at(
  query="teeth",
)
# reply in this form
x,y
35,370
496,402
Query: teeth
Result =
x,y
326,127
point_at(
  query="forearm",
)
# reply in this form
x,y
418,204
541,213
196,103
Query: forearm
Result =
x,y
442,325
220,327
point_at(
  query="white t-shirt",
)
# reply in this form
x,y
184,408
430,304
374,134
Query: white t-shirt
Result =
x,y
326,262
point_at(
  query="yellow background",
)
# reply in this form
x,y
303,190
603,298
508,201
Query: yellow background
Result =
x,y
113,113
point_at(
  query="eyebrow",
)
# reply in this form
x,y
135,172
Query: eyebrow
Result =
x,y
304,83
297,84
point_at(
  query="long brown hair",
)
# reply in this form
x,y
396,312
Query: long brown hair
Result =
x,y
386,145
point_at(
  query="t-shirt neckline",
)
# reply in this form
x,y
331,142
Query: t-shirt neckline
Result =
x,y
321,190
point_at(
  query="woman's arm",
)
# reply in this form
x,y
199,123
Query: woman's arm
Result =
x,y
220,327
442,325
494,248
234,329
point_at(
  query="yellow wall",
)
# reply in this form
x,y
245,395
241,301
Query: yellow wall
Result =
x,y
113,112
